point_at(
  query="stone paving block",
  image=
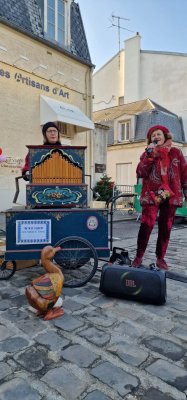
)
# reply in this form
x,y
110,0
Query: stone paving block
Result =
x,y
65,382
5,304
132,330
126,312
170,373
90,291
14,314
13,344
33,325
129,354
52,340
180,333
99,318
165,347
71,292
115,377
32,359
67,323
5,333
5,370
155,394
161,325
151,310
95,336
103,302
20,300
79,355
180,319
96,395
18,389
176,305
71,305
9,294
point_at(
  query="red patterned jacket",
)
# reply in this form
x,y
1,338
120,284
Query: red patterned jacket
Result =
x,y
149,169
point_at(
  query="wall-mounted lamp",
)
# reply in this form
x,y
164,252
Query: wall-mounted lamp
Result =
x,y
56,73
3,48
24,58
72,79
40,66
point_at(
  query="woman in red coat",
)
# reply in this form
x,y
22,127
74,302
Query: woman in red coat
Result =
x,y
164,172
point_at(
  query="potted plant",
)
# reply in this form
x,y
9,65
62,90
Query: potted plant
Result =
x,y
103,191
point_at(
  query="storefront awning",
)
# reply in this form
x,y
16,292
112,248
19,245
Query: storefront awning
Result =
x,y
54,110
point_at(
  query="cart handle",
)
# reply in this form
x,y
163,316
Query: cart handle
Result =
x,y
112,200
17,188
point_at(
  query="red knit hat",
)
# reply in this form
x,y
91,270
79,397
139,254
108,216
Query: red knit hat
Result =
x,y
155,128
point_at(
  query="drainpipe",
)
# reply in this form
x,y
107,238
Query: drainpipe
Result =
x,y
89,134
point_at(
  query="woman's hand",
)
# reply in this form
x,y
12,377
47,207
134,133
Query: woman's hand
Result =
x,y
25,176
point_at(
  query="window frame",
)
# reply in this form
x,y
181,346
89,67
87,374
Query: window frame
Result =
x,y
57,28
125,124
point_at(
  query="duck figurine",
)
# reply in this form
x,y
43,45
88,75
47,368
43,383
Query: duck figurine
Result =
x,y
44,292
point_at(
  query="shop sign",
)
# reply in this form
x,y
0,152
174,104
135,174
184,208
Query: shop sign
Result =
x,y
28,81
12,162
100,168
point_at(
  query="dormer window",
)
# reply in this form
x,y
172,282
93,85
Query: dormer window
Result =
x,y
124,131
54,20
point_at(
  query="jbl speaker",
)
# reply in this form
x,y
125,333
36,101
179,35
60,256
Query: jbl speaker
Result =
x,y
138,284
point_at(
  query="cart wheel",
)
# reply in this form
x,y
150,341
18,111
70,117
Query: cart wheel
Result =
x,y
78,260
7,269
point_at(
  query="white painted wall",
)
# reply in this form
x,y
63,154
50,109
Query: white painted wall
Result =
x,y
108,83
132,69
160,76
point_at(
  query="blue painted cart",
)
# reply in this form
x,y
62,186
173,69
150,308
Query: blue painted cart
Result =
x,y
57,214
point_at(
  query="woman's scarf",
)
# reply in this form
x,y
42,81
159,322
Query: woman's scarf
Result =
x,y
162,153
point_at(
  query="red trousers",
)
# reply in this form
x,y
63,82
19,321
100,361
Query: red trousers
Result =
x,y
165,222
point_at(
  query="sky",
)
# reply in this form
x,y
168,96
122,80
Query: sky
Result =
x,y
161,24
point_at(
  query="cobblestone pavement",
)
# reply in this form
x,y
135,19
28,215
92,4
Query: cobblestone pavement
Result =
x,y
102,348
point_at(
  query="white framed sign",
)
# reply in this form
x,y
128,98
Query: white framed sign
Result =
x,y
33,231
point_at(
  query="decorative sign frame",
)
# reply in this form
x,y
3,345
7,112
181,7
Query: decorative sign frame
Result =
x,y
29,232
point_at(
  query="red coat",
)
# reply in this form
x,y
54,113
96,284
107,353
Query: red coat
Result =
x,y
149,169
25,168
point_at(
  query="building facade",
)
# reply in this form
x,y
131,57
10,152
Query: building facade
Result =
x,y
140,74
127,127
45,75
133,91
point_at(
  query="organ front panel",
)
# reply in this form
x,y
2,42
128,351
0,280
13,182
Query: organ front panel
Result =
x,y
56,177
57,169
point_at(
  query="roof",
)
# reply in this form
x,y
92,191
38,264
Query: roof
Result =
x,y
79,44
148,113
157,117
23,13
27,16
134,108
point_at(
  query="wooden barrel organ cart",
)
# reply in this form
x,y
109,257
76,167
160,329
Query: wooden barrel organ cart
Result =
x,y
57,213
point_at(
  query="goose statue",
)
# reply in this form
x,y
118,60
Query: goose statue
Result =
x,y
44,292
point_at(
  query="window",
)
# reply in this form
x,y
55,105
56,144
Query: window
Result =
x,y
62,129
123,174
55,20
124,131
